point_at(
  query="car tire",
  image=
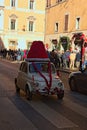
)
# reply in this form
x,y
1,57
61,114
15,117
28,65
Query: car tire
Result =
x,y
72,84
60,95
28,94
17,88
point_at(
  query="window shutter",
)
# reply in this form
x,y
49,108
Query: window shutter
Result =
x,y
66,22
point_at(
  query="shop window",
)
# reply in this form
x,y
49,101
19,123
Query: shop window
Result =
x,y
13,45
77,23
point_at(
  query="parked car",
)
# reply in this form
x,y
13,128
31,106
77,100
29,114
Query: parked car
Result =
x,y
34,77
78,81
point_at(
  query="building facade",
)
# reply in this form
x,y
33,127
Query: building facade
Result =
x,y
21,22
64,18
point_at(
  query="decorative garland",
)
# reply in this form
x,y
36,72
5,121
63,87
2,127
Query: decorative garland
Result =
x,y
81,42
50,76
68,43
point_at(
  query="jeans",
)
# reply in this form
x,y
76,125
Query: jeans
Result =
x,y
84,64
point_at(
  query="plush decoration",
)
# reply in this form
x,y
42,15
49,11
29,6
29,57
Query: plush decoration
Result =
x,y
37,50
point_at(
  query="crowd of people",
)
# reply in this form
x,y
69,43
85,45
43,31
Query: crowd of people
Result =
x,y
13,54
61,59
65,59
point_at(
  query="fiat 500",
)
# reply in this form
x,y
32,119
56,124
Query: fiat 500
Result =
x,y
39,77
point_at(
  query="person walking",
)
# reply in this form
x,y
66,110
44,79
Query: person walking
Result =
x,y
78,59
72,59
67,56
85,61
64,62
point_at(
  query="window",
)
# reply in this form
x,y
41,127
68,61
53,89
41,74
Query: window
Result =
x,y
13,22
13,3
13,44
29,45
31,4
57,1
56,27
48,3
66,22
1,20
1,2
77,22
31,26
23,67
60,0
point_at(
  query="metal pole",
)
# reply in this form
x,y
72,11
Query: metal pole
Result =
x,y
82,53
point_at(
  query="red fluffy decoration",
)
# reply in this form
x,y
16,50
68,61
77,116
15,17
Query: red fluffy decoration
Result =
x,y
37,50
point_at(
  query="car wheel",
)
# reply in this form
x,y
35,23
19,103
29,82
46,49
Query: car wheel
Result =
x,y
17,88
72,84
60,95
28,94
